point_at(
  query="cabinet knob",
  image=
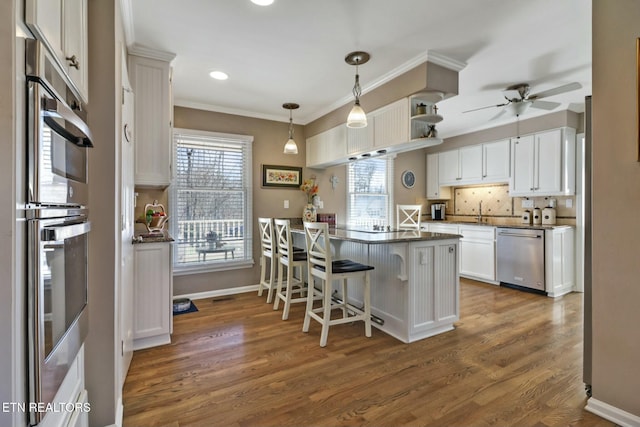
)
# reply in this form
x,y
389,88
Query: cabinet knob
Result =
x,y
451,249
531,189
73,62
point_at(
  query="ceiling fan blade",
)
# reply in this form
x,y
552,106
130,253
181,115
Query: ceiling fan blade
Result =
x,y
488,106
545,105
556,91
504,110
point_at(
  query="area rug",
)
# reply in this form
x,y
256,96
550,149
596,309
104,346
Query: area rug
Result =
x,y
191,309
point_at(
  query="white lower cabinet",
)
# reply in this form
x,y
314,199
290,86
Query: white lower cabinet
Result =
x,y
153,290
478,252
559,261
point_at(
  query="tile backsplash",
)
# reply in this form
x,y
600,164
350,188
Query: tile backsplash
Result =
x,y
496,202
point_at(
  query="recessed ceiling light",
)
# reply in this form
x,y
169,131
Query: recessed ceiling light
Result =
x,y
262,2
218,75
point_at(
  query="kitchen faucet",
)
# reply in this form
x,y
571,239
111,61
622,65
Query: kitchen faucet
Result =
x,y
480,212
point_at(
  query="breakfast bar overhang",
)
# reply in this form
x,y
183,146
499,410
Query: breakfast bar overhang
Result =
x,y
415,286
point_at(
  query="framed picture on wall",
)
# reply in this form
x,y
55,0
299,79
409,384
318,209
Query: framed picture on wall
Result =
x,y
281,176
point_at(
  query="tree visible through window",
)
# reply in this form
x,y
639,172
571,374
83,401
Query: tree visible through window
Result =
x,y
210,205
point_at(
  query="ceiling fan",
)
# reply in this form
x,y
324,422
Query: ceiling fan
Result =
x,y
518,99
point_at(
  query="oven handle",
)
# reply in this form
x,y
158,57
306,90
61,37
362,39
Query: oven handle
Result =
x,y
54,234
52,108
535,236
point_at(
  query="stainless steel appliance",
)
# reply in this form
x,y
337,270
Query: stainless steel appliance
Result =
x,y
437,211
520,258
57,226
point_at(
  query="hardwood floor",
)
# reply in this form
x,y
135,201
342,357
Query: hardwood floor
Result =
x,y
514,359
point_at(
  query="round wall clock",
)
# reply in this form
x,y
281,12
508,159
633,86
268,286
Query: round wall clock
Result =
x,y
408,179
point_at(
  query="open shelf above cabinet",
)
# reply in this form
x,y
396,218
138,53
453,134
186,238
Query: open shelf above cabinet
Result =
x,y
424,116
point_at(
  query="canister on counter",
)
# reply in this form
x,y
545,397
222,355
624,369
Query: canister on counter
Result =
x,y
537,216
526,217
548,216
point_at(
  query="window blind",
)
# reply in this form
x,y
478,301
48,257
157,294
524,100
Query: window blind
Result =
x,y
210,204
369,192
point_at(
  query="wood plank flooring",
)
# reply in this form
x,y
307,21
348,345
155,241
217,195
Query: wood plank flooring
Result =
x,y
514,359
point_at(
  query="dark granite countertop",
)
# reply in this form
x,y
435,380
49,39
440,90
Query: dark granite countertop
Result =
x,y
158,237
374,237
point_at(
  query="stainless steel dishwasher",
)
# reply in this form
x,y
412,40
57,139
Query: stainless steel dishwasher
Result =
x,y
521,257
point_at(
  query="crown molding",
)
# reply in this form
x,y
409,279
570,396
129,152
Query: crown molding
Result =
x,y
445,61
147,52
126,10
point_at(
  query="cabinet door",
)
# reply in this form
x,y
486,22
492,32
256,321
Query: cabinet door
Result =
x,y
470,159
359,140
151,86
152,292
391,124
336,140
548,178
44,18
434,191
448,167
477,259
522,151
495,161
75,44
313,151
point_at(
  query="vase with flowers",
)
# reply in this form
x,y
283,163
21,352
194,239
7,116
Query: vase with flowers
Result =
x,y
310,188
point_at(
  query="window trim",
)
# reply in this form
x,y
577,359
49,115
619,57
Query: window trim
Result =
x,y
248,262
390,164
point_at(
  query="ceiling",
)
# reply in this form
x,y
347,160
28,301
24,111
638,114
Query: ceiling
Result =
x,y
294,50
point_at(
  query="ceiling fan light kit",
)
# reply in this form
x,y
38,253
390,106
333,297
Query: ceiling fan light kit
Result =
x,y
357,117
290,147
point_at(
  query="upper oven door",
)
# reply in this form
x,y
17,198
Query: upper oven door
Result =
x,y
57,137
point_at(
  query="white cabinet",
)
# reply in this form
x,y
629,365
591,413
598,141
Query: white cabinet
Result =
x,y
62,26
153,290
462,166
326,148
477,252
434,288
424,117
543,164
359,140
559,261
496,161
390,124
151,82
434,190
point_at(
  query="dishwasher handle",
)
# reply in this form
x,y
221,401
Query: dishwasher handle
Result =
x,y
504,233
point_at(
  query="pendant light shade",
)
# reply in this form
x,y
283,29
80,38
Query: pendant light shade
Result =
x,y
357,117
290,147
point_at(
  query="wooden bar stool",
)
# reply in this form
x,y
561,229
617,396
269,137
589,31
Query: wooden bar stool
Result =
x,y
408,217
268,251
289,258
321,265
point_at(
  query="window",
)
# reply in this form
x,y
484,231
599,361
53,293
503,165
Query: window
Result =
x,y
369,197
210,205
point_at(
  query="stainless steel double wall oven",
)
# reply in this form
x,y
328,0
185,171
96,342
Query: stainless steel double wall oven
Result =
x,y
57,225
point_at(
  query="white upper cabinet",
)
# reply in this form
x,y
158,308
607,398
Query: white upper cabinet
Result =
x,y
359,140
390,124
151,83
324,149
470,164
462,166
62,26
543,164
434,191
496,161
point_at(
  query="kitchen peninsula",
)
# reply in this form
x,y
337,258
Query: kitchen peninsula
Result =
x,y
415,284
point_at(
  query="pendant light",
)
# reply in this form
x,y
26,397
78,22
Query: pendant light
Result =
x,y
357,117
290,147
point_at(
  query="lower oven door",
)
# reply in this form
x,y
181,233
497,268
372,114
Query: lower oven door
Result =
x,y
57,301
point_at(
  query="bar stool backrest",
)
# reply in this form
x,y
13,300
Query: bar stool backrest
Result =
x,y
408,217
283,237
266,236
318,248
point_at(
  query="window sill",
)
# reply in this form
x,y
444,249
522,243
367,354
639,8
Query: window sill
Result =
x,y
185,270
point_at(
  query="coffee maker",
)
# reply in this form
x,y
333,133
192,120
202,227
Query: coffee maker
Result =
x,y
437,211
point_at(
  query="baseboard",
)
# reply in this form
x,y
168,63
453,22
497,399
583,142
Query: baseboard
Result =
x,y
119,413
612,413
219,292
